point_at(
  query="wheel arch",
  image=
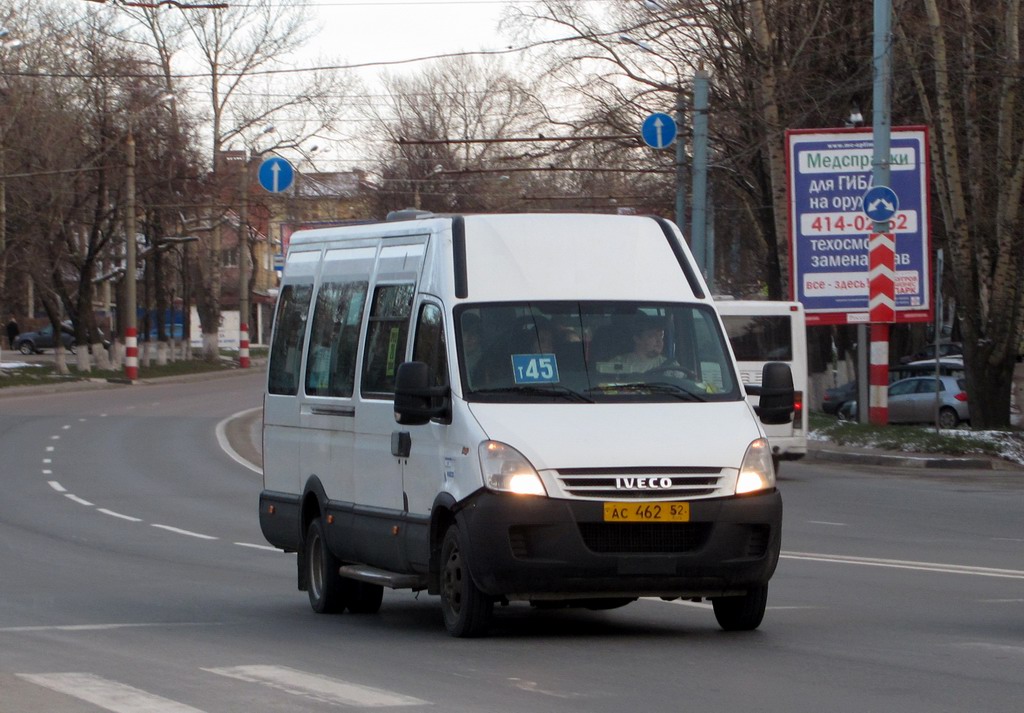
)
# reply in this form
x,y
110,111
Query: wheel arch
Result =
x,y
314,501
441,518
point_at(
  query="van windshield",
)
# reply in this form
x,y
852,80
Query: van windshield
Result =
x,y
592,352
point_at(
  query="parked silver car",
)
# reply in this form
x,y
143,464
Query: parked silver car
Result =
x,y
913,401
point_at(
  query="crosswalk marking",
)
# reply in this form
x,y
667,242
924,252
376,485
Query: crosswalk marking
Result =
x,y
109,695
320,688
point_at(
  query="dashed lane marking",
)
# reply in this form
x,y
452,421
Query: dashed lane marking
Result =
x,y
316,687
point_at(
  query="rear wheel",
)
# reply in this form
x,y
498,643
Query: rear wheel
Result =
x,y
948,417
742,613
26,348
467,610
328,591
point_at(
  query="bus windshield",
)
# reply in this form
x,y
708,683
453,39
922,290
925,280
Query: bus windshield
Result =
x,y
591,352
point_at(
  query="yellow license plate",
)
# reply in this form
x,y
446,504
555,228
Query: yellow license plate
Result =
x,y
647,512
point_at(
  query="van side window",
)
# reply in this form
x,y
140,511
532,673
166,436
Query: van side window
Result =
x,y
429,346
334,339
386,335
286,351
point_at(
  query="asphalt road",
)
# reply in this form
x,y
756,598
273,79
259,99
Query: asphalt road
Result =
x,y
133,577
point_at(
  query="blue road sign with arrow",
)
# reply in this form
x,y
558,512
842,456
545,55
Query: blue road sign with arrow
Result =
x,y
658,130
881,203
276,174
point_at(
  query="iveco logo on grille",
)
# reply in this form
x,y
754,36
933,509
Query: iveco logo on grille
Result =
x,y
643,483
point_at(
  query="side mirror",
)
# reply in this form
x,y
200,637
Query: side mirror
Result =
x,y
778,398
416,402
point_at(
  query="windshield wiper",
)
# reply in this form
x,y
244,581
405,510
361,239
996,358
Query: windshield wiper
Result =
x,y
657,387
537,390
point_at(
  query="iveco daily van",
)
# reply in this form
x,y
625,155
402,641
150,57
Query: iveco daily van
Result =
x,y
502,408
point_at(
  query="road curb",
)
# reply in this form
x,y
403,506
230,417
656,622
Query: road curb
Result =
x,y
900,460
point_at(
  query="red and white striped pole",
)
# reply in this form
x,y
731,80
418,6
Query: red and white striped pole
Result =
x,y
881,313
243,346
131,353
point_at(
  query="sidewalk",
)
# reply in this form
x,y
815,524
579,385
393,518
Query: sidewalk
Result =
x,y
827,451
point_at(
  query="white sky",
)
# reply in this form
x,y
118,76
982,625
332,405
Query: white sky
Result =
x,y
359,31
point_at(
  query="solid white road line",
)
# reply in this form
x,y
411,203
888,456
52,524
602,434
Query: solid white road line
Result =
x,y
907,564
225,445
108,695
318,688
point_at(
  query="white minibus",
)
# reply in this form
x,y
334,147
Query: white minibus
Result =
x,y
514,408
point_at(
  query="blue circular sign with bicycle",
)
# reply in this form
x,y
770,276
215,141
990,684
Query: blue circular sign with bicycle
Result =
x,y
881,203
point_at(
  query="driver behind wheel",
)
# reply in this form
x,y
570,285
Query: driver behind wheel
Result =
x,y
648,346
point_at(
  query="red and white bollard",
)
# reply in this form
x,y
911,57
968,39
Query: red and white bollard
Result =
x,y
131,353
243,346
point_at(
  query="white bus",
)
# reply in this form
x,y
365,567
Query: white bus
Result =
x,y
763,331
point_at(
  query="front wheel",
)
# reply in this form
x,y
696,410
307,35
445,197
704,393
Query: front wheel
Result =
x,y
467,611
26,348
742,613
328,591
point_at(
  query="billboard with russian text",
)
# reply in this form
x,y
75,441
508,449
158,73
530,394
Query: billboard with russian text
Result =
x,y
829,172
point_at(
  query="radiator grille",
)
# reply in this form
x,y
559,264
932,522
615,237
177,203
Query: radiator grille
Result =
x,y
640,483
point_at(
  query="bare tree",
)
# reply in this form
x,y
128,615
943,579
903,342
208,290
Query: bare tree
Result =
x,y
964,59
241,48
474,103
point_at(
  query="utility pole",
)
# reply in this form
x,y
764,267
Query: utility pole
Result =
x,y
131,339
881,129
703,246
243,264
680,161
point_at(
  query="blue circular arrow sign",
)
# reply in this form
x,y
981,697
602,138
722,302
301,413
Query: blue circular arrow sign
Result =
x,y
658,130
881,203
276,174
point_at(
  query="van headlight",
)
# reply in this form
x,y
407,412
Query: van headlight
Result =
x,y
756,471
505,469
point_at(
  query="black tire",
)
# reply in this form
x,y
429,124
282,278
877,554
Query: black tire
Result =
x,y
26,348
741,613
364,598
948,417
467,611
328,591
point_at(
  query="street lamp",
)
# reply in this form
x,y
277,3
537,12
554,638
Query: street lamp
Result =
x,y
131,336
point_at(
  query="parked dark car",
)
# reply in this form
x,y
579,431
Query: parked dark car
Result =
x,y
913,401
837,396
36,342
948,349
42,339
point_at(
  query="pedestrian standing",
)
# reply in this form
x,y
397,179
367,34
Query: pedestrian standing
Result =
x,y
12,331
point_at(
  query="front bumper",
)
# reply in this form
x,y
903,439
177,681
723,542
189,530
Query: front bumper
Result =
x,y
542,548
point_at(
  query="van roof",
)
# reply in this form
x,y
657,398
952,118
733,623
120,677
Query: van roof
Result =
x,y
548,256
